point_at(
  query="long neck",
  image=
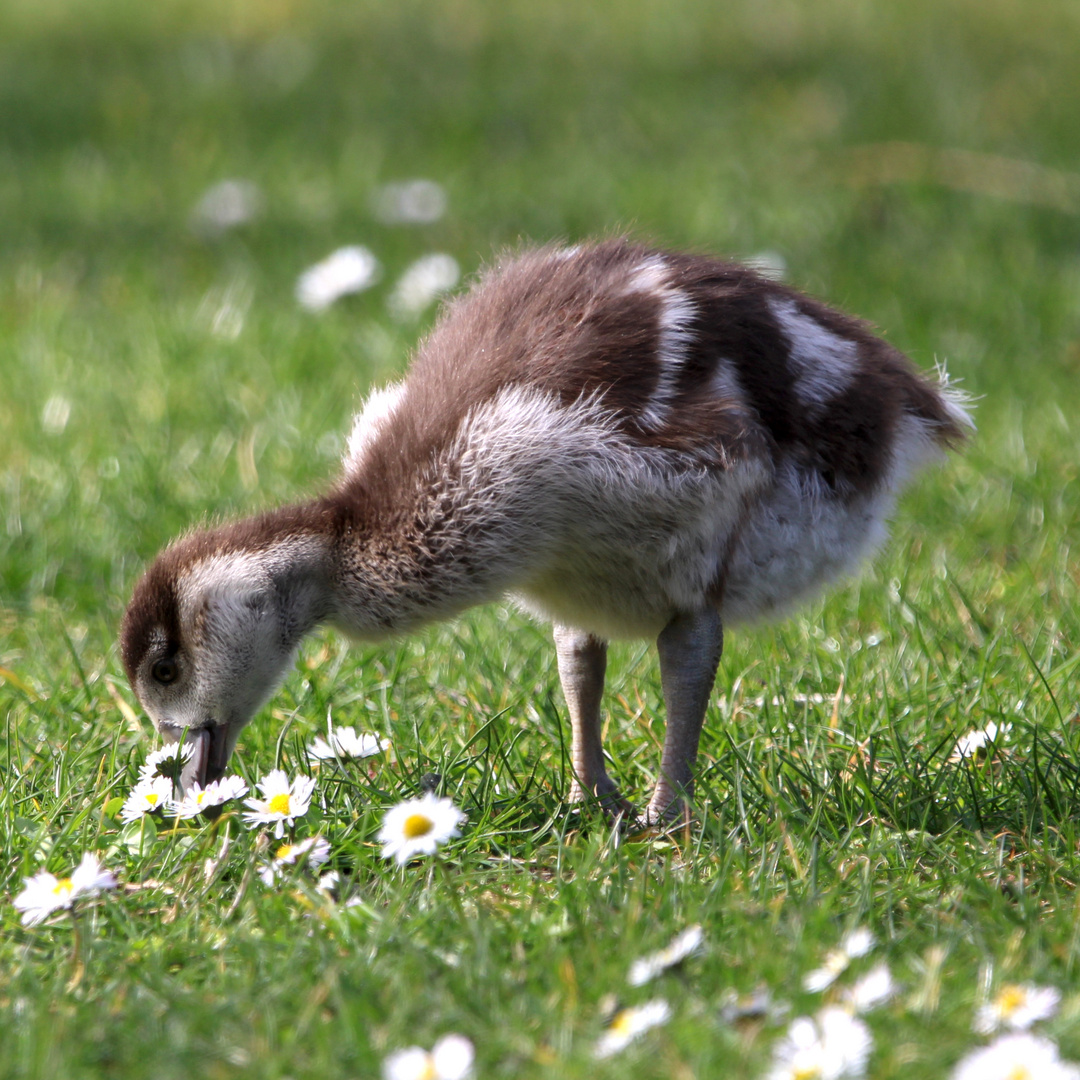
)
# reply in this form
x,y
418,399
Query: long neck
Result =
x,y
301,572
382,584
391,570
282,560
368,575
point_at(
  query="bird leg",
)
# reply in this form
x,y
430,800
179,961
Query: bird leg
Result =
x,y
582,663
690,647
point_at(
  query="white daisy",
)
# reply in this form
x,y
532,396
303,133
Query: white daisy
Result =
x,y
422,283
45,893
216,793
225,205
858,942
282,801
829,1046
836,963
1017,1007
316,848
855,944
166,761
451,1058
1019,1056
347,270
684,945
629,1024
873,989
418,827
343,742
978,743
410,202
148,795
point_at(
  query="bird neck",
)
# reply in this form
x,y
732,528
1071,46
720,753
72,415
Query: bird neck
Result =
x,y
382,585
386,570
325,562
301,572
283,559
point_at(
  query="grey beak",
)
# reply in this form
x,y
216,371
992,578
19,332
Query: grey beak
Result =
x,y
210,750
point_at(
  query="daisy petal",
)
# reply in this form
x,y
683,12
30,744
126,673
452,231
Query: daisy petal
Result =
x,y
418,827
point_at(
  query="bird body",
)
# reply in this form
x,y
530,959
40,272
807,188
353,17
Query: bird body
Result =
x,y
632,443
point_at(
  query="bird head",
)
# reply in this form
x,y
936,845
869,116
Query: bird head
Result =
x,y
208,636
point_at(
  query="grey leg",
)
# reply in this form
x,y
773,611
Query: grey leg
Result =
x,y
582,663
689,647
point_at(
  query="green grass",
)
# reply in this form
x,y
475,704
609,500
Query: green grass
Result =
x,y
737,129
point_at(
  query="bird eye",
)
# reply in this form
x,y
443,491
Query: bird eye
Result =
x,y
165,671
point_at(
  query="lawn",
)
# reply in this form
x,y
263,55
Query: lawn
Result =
x,y
916,164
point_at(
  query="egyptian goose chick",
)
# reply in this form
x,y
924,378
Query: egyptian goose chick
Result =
x,y
630,442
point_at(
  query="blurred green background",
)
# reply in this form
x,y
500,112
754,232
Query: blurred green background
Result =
x,y
826,133
915,163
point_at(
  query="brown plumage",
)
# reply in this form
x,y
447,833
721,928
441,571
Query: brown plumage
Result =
x,y
630,442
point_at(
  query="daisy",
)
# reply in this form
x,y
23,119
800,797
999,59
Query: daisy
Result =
x,y
316,848
977,744
410,202
418,827
149,795
686,944
343,742
225,205
216,793
166,761
1019,1056
282,801
858,942
1017,1007
451,1058
347,270
829,1046
45,893
422,284
855,944
630,1023
873,989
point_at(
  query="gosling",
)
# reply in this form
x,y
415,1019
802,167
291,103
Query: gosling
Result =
x,y
631,443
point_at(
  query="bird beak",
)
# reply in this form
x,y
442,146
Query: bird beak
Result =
x,y
210,751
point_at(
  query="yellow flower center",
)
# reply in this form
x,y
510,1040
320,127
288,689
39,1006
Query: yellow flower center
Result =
x,y
836,962
279,804
417,825
63,887
285,851
152,798
806,1072
1010,999
1018,1072
623,1022
428,1072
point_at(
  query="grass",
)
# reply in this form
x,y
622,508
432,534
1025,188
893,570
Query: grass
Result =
x,y
827,797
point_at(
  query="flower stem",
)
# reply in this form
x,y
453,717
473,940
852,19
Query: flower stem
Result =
x,y
451,888
78,968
